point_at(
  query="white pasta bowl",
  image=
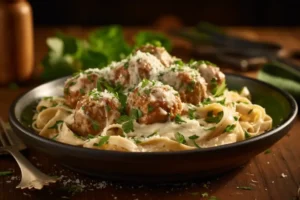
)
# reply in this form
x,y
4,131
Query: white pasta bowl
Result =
x,y
160,166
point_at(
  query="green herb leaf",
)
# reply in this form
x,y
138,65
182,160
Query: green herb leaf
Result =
x,y
194,137
5,173
90,136
213,198
180,138
123,118
154,133
42,108
206,101
268,151
145,82
128,126
229,128
235,118
210,128
214,119
150,108
247,135
191,113
136,113
81,91
103,140
57,123
205,194
95,125
244,188
156,39
178,119
54,137
217,90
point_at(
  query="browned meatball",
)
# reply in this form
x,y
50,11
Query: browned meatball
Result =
x,y
159,52
157,102
209,72
94,112
188,82
135,68
80,85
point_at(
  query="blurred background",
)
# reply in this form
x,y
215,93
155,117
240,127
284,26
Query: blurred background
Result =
x,y
188,12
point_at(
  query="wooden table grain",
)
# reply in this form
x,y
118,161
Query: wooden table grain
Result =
x,y
274,175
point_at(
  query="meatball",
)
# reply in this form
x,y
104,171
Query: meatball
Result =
x,y
80,85
209,72
135,68
157,102
187,81
94,112
159,52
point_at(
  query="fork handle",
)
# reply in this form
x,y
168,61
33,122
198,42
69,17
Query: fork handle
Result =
x,y
30,174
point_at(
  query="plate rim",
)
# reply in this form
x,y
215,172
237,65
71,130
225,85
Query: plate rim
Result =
x,y
15,123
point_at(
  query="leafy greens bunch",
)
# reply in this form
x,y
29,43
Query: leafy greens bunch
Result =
x,y
67,54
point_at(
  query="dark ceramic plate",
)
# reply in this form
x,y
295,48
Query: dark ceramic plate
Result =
x,y
161,166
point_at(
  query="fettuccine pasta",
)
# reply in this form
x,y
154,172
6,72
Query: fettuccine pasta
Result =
x,y
149,102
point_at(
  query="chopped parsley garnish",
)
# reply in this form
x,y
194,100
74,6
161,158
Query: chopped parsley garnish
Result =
x,y
199,62
213,198
206,101
147,91
214,119
66,91
205,194
244,188
127,121
102,141
54,137
247,135
54,104
81,91
89,77
150,108
250,111
179,62
217,90
235,118
191,86
154,133
5,173
57,123
136,113
90,136
191,113
42,108
267,151
137,141
83,108
126,65
128,126
222,102
210,128
48,98
180,138
229,128
145,82
178,119
71,83
193,138
108,108
95,125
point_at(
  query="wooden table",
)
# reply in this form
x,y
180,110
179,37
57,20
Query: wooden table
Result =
x,y
275,175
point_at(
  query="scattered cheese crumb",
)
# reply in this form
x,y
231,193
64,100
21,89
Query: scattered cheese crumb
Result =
x,y
283,175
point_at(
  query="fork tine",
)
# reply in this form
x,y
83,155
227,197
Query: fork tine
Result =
x,y
2,139
8,136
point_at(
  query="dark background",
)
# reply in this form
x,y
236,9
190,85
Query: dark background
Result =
x,y
149,12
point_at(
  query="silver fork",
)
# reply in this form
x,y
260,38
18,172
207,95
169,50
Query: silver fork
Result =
x,y
31,176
